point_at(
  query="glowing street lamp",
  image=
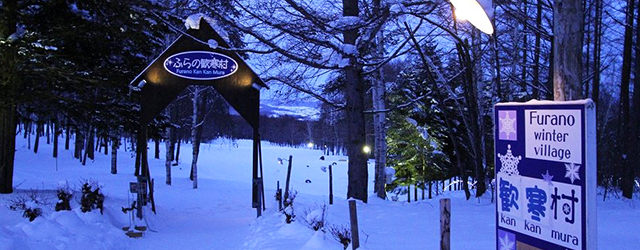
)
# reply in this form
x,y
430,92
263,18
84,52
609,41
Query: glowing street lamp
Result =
x,y
473,12
310,145
366,149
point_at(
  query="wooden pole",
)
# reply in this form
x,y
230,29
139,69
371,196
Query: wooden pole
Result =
x,y
260,205
56,132
353,214
279,196
256,199
264,205
286,188
445,224
330,185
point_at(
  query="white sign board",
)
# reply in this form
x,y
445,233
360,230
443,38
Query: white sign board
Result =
x,y
545,158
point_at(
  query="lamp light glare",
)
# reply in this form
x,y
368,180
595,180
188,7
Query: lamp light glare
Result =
x,y
366,149
472,11
310,144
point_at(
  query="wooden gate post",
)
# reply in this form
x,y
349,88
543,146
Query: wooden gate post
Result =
x,y
445,224
330,185
279,196
353,214
286,188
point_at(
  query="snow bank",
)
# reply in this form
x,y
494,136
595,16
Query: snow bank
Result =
x,y
65,230
218,214
321,241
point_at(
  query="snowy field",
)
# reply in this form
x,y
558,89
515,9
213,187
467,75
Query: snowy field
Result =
x,y
218,215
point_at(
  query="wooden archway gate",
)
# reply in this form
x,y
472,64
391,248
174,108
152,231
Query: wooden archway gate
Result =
x,y
191,60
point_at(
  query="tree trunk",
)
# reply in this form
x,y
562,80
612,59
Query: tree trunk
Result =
x,y
586,40
475,135
90,144
595,93
379,119
178,149
627,174
115,144
67,137
86,150
140,144
458,152
355,93
56,134
168,158
358,174
635,109
98,144
48,132
36,144
496,58
26,130
7,142
196,131
29,130
525,48
567,50
106,145
157,151
78,145
625,140
379,127
536,52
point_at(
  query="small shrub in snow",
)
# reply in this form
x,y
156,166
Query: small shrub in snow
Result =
x,y
289,214
29,204
64,197
32,210
316,218
289,200
341,233
288,209
92,198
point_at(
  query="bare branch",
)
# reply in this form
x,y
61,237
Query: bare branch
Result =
x,y
304,90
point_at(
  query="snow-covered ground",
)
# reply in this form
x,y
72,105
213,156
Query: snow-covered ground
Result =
x,y
218,215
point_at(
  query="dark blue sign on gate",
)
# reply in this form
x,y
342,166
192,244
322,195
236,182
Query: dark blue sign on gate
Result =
x,y
200,65
545,175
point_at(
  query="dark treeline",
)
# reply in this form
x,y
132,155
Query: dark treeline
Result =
x,y
285,131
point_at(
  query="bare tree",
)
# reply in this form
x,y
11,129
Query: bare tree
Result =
x,y
313,39
567,49
9,82
625,126
197,119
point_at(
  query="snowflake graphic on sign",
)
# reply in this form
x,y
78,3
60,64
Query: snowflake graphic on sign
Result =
x,y
572,171
509,162
507,125
506,242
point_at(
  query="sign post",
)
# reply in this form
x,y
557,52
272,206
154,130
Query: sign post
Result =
x,y
545,163
192,60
